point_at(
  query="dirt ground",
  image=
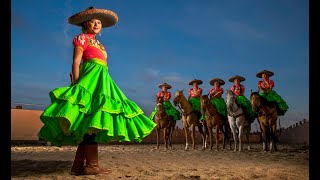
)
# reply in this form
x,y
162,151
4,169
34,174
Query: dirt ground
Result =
x,y
144,162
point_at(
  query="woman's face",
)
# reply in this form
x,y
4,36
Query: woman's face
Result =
x,y
93,26
164,88
237,81
216,84
265,76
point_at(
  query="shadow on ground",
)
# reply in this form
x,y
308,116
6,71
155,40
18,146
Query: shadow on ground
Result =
x,y
21,168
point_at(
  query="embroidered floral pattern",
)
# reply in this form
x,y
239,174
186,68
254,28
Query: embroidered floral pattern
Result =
x,y
82,39
97,44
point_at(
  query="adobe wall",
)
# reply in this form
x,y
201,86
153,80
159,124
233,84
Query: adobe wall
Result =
x,y
25,125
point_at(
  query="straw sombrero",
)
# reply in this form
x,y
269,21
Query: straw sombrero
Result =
x,y
220,81
269,73
195,80
108,18
166,85
237,77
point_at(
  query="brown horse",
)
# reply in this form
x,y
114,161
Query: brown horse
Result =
x,y
164,122
214,120
267,118
189,118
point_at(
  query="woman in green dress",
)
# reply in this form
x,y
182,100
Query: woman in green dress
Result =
x,y
93,109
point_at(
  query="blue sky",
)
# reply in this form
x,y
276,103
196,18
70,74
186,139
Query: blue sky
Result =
x,y
171,41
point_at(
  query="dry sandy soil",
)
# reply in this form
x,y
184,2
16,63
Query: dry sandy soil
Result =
x,y
144,162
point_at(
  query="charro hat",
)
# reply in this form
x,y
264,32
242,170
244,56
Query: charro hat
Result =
x,y
269,73
195,80
166,85
237,77
108,18
220,81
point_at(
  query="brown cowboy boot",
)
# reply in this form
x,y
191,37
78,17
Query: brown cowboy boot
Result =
x,y
92,166
77,166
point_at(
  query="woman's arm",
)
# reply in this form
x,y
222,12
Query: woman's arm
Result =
x,y
77,56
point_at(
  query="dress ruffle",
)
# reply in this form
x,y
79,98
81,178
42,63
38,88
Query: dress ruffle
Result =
x,y
220,105
94,105
272,96
245,103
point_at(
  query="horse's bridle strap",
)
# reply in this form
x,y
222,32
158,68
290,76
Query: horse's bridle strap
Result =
x,y
232,115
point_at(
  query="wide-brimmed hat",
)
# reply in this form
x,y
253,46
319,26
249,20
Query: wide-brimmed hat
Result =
x,y
195,80
108,18
237,77
166,85
220,81
269,73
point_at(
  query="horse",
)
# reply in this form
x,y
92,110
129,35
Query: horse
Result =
x,y
237,120
214,120
267,118
164,122
189,118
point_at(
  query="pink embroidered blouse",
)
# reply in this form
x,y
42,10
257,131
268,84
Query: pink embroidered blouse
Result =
x,y
90,46
266,84
216,90
166,95
195,93
236,89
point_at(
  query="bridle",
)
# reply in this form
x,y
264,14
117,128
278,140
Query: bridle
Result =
x,y
233,114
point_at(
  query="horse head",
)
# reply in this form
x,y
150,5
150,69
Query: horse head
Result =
x,y
177,97
230,97
204,100
255,100
159,101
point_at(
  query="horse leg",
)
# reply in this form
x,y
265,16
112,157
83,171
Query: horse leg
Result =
x,y
193,133
223,130
264,137
248,140
240,137
217,137
186,136
170,136
165,138
273,138
234,133
204,134
157,138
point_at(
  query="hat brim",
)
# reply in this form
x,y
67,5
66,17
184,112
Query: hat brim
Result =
x,y
166,85
220,81
195,81
269,73
237,77
108,18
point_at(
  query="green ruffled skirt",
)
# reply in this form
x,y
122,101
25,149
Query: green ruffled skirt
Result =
x,y
94,105
245,103
220,105
274,97
195,103
170,110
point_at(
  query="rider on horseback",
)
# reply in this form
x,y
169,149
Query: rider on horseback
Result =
x,y
194,96
173,112
238,89
265,87
216,96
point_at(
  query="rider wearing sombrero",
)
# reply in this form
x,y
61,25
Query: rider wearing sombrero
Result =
x,y
170,110
194,96
266,90
238,89
216,96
